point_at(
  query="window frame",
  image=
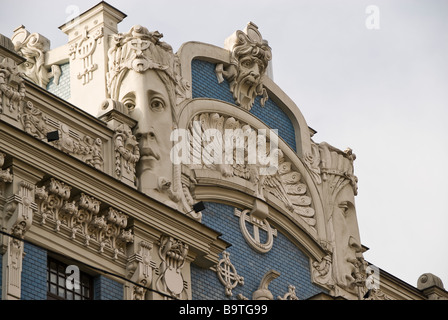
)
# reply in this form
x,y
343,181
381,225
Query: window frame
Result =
x,y
56,283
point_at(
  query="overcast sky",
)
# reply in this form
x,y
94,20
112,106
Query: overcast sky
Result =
x,y
382,92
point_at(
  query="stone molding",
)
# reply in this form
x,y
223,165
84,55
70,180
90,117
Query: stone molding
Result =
x,y
81,219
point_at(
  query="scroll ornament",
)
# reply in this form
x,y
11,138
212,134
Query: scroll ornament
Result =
x,y
33,47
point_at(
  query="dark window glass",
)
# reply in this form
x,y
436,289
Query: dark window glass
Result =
x,y
57,288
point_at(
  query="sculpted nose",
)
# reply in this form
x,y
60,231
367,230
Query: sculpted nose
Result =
x,y
256,71
354,244
143,115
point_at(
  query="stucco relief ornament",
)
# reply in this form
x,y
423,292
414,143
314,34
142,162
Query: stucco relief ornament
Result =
x,y
141,50
227,274
173,254
249,59
339,186
81,219
127,152
12,86
144,77
33,47
285,183
84,50
5,175
139,268
263,292
258,224
290,295
322,272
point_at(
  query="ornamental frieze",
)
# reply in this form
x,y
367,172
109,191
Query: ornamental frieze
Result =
x,y
84,147
81,218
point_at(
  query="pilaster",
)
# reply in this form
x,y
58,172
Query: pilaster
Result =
x,y
88,36
17,218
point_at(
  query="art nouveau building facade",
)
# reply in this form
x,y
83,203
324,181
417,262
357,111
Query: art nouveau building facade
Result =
x,y
108,142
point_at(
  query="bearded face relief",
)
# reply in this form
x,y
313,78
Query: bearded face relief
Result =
x,y
250,55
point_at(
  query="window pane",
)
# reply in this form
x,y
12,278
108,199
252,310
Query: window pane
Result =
x,y
61,292
61,270
81,289
85,292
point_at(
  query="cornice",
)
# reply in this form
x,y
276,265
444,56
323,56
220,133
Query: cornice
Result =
x,y
202,240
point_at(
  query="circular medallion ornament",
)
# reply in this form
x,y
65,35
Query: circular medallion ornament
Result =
x,y
254,241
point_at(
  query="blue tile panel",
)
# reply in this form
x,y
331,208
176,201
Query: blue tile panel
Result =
x,y
34,273
107,289
62,90
205,85
284,257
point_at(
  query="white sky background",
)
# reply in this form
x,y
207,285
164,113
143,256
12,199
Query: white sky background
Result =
x,y
383,93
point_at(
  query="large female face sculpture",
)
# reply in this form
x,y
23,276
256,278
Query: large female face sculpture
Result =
x,y
346,238
142,77
340,188
148,100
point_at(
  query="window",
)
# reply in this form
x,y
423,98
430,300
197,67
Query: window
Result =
x,y
56,283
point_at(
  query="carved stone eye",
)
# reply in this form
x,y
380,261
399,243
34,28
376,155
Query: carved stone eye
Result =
x,y
247,63
129,104
344,207
157,105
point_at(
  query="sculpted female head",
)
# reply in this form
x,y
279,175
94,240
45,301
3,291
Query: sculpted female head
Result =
x,y
341,187
142,76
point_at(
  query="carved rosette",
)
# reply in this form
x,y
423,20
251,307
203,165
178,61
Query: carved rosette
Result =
x,y
173,254
33,47
83,147
81,219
